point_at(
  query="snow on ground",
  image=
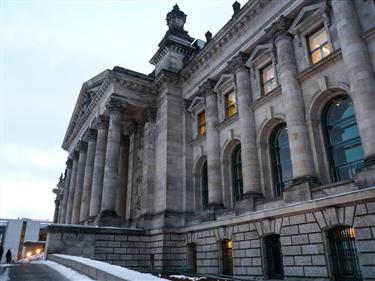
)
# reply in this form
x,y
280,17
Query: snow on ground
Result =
x,y
116,270
5,275
187,277
65,271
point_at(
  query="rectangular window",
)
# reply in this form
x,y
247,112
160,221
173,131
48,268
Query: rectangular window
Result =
x,y
230,105
318,45
268,78
202,123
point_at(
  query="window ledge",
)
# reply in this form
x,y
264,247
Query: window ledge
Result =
x,y
323,62
227,121
265,98
333,184
198,139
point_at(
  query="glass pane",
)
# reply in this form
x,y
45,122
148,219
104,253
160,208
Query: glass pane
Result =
x,y
316,56
317,39
231,99
326,49
231,111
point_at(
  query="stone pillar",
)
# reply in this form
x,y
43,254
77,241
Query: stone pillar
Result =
x,y
249,153
112,158
101,124
123,177
299,141
215,197
87,179
360,71
56,212
82,146
69,164
74,156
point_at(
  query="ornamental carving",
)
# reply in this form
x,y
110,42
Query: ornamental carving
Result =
x,y
82,145
279,27
69,163
100,122
115,105
207,88
237,63
149,114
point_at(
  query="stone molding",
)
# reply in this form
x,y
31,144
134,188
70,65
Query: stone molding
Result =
x,y
279,28
166,77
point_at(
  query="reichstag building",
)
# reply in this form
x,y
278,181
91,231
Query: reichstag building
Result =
x,y
249,154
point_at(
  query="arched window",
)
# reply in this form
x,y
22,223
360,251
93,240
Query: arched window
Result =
x,y
204,186
237,173
343,253
281,162
343,143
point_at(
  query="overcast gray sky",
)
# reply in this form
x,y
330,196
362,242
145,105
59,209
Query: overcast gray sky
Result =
x,y
48,49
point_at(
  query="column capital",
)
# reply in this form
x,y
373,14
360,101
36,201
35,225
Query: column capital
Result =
x,y
237,63
149,114
90,135
279,28
100,122
132,128
69,163
115,105
74,155
207,88
82,145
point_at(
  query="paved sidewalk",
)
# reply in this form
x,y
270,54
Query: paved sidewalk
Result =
x,y
30,272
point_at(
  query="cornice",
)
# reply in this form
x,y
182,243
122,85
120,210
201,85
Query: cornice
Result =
x,y
224,36
166,77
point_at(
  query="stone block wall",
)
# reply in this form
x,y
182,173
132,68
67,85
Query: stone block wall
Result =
x,y
303,242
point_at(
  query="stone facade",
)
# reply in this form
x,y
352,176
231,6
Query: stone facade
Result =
x,y
137,156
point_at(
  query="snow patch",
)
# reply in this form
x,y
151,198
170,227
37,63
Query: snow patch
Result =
x,y
65,271
115,270
187,277
5,275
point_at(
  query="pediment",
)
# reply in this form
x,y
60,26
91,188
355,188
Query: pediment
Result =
x,y
306,15
259,50
224,82
196,104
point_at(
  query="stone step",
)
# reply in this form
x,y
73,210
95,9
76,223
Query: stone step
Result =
x,y
100,270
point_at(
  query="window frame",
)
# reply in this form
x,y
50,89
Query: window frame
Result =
x,y
201,125
310,52
334,176
236,166
227,107
278,186
262,83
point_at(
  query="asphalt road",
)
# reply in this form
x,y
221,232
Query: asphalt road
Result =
x,y
29,272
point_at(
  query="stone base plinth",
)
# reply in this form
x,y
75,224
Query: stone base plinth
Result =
x,y
365,177
108,218
298,192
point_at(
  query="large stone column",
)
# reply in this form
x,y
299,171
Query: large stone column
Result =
x,y
215,197
82,146
249,153
112,158
101,124
123,177
87,179
360,73
72,186
69,164
299,142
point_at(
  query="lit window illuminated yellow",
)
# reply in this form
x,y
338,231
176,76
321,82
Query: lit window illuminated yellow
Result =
x,y
318,45
38,251
230,105
351,232
268,78
28,254
202,123
229,244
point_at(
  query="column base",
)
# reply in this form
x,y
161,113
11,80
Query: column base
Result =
x,y
369,161
365,177
247,202
108,218
298,192
306,179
